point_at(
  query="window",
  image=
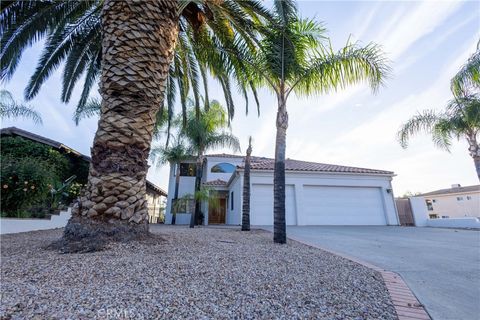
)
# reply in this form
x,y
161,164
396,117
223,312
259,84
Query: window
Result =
x,y
429,205
188,169
231,200
469,198
433,216
459,198
434,200
223,168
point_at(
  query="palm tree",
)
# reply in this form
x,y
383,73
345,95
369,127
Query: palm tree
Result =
x,y
204,131
9,108
174,155
292,58
246,189
73,35
460,120
138,42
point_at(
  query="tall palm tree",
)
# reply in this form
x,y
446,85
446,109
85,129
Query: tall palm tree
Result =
x,y
246,189
205,131
138,42
461,119
174,155
73,35
292,57
9,108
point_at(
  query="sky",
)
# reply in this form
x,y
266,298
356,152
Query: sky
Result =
x,y
426,42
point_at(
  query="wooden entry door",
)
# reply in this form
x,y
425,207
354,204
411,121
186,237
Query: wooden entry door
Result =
x,y
216,211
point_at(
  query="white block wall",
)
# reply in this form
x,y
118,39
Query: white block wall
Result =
x,y
14,225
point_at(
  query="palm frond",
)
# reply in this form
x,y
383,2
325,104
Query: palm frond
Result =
x,y
468,77
422,122
11,109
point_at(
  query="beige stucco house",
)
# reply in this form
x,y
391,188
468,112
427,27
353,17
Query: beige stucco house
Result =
x,y
454,202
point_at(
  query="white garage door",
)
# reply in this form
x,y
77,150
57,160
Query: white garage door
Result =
x,y
261,207
326,205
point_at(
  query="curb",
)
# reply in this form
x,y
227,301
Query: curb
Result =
x,y
406,304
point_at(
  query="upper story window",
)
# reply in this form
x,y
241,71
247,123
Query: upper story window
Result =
x,y
429,205
459,198
188,169
223,168
469,198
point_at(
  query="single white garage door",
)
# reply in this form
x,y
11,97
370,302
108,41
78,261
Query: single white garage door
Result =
x,y
326,205
261,205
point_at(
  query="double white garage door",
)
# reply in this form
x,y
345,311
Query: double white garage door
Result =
x,y
320,205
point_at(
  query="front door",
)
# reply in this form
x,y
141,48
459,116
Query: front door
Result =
x,y
216,211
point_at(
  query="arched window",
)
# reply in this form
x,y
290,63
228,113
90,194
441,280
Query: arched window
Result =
x,y
223,168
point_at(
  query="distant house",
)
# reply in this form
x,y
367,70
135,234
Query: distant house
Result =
x,y
316,193
453,202
155,195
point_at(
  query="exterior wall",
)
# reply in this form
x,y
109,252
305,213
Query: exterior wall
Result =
x,y
448,206
12,225
300,179
465,223
234,217
186,186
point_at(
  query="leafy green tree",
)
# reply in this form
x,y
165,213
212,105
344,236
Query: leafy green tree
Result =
x,y
206,130
11,109
293,57
174,155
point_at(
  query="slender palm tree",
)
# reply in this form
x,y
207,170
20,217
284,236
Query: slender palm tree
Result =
x,y
293,57
138,42
174,155
461,119
205,131
9,108
246,189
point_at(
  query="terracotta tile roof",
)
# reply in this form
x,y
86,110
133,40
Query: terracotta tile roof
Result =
x,y
297,165
215,183
262,163
475,188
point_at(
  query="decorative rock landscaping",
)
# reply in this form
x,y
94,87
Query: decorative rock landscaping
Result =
x,y
202,273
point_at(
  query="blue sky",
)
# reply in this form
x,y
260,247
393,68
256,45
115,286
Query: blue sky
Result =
x,y
427,42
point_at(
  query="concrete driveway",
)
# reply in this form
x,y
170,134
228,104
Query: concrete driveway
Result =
x,y
441,266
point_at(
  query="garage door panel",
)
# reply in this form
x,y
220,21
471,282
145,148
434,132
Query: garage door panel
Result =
x,y
328,205
261,208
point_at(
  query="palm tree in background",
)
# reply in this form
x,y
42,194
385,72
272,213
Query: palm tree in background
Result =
x,y
461,119
174,155
293,57
205,131
138,46
246,189
11,109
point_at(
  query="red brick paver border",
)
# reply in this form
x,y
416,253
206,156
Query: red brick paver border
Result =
x,y
406,304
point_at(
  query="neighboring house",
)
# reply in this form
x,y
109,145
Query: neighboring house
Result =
x,y
454,202
155,195
316,193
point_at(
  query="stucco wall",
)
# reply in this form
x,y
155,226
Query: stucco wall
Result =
x,y
186,186
12,225
234,216
450,206
212,161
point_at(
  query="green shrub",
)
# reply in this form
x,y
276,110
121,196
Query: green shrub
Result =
x,y
25,182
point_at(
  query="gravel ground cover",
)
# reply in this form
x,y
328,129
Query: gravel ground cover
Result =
x,y
205,273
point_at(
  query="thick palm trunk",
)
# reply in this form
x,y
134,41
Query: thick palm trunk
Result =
x,y
137,48
246,192
279,224
198,181
476,161
175,196
474,150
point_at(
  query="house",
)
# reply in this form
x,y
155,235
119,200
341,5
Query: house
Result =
x,y
454,202
155,195
316,193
